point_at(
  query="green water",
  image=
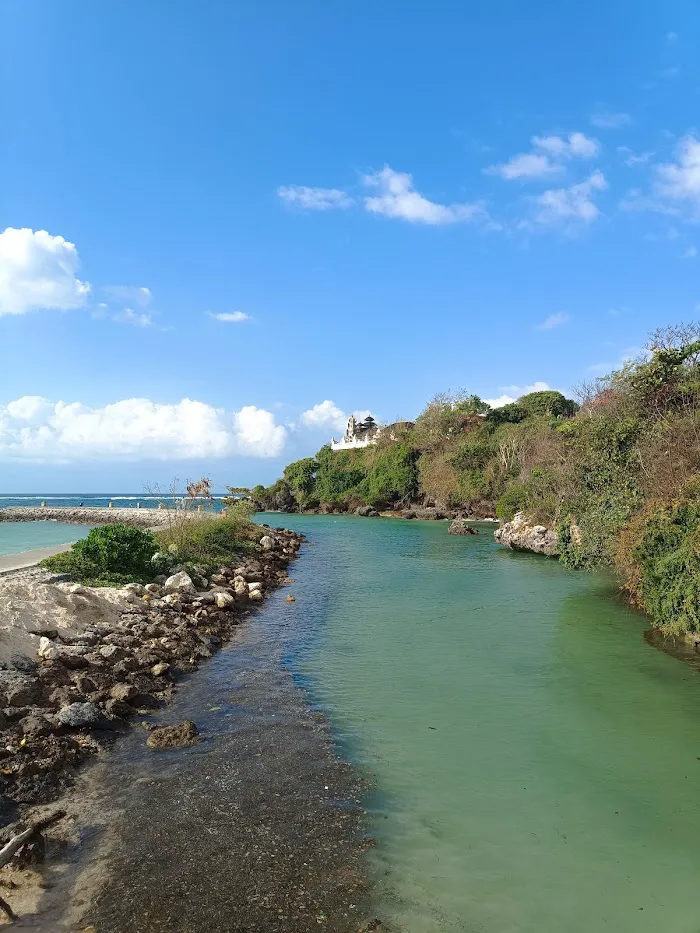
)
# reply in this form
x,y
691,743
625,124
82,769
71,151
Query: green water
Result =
x,y
537,764
17,537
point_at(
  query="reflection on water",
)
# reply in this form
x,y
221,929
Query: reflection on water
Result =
x,y
538,764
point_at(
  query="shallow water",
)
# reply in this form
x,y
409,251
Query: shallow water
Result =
x,y
537,764
17,537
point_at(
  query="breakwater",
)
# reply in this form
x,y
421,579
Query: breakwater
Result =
x,y
143,518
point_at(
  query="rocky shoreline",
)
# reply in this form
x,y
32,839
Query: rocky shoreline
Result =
x,y
80,663
522,534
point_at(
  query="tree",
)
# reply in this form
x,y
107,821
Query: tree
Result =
x,y
550,403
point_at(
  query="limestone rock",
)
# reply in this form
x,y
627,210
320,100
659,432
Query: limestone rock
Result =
x,y
224,600
522,535
267,543
459,527
180,582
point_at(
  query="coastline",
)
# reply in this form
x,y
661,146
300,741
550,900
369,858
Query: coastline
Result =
x,y
23,560
129,663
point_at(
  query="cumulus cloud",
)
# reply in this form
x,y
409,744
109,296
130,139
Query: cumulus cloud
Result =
x,y
513,393
230,317
314,199
554,320
610,121
572,205
547,158
325,415
38,271
35,429
398,198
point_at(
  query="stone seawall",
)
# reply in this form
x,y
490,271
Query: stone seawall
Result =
x,y
144,518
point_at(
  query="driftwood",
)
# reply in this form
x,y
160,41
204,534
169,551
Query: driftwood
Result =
x,y
15,844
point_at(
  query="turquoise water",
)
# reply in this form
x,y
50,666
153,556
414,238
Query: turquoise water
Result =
x,y
537,764
17,537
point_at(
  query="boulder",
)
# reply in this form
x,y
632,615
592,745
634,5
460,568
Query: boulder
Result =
x,y
180,582
267,543
460,527
81,716
123,692
37,725
224,600
184,733
18,689
521,534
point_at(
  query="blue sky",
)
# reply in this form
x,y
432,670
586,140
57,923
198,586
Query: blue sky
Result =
x,y
385,200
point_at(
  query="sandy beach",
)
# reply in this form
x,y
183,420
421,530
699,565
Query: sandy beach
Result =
x,y
12,562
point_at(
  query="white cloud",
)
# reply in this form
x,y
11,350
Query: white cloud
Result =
x,y
554,320
314,199
136,318
570,205
548,157
129,294
691,252
575,146
325,415
35,429
230,317
632,158
526,165
37,272
397,198
679,181
513,393
610,121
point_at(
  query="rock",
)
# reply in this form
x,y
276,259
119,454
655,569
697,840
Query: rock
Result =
x,y
256,596
118,708
179,583
37,725
18,689
113,653
267,543
153,589
521,535
123,692
224,600
185,733
24,665
366,511
159,669
460,527
254,585
136,588
81,715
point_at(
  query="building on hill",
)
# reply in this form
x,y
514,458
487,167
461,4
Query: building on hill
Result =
x,y
360,434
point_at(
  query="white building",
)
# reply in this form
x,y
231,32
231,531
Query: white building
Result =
x,y
357,434
366,433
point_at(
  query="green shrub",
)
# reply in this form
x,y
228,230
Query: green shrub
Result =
x,y
212,541
513,500
667,559
109,555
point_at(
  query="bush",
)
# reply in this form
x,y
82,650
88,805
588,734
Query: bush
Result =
x,y
109,555
513,500
660,557
212,541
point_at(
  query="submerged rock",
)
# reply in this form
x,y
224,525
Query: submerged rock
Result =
x,y
522,535
184,733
